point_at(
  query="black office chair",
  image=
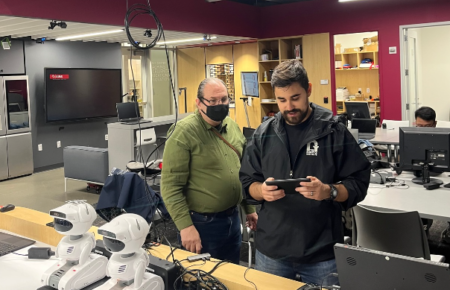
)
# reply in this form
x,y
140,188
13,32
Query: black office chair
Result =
x,y
400,233
247,234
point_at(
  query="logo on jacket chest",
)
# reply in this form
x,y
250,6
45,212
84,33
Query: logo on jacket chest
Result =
x,y
312,148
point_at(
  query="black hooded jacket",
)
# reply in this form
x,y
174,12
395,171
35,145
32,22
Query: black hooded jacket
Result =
x,y
296,228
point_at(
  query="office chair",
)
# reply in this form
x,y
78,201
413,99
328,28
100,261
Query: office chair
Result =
x,y
395,232
247,234
443,124
391,124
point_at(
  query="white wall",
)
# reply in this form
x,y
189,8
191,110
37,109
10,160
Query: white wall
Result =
x,y
433,67
353,39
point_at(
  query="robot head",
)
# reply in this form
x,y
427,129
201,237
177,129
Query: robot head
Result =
x,y
125,234
73,218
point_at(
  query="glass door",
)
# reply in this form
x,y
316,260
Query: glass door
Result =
x,y
17,104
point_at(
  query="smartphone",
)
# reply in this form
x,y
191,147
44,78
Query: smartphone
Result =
x,y
288,185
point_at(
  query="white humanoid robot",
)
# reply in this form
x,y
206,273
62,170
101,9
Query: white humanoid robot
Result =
x,y
124,237
77,267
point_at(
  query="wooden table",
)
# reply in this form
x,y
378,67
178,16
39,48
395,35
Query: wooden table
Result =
x,y
32,224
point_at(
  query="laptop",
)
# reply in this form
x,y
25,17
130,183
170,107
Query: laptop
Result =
x,y
10,243
361,268
128,113
355,134
248,132
366,127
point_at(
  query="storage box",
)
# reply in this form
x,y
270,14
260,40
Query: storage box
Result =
x,y
341,94
352,49
371,47
370,39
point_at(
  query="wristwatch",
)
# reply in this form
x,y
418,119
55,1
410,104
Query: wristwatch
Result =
x,y
333,192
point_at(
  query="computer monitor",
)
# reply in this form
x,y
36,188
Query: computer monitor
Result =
x,y
250,84
423,150
357,110
366,127
361,268
127,111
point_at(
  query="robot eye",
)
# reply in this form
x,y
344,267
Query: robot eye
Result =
x,y
62,225
113,245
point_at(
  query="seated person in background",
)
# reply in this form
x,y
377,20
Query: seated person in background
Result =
x,y
425,117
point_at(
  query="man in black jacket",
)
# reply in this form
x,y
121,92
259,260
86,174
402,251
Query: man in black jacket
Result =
x,y
296,231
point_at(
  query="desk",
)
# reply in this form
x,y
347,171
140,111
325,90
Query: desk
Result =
x,y
17,272
122,138
30,223
387,137
431,204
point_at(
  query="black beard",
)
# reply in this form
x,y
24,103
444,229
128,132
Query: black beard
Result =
x,y
295,120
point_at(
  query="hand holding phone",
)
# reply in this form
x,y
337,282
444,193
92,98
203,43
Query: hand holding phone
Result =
x,y
271,192
288,185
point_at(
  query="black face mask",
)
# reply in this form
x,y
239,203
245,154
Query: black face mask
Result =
x,y
217,113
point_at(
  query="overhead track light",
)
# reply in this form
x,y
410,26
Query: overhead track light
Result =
x,y
54,23
187,40
148,33
89,34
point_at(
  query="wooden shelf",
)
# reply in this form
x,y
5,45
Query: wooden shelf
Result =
x,y
355,69
268,82
356,52
358,101
287,59
274,60
268,103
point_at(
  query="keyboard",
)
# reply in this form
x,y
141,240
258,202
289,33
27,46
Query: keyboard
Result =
x,y
366,136
10,243
6,249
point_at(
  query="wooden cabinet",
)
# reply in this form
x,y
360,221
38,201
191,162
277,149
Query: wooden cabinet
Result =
x,y
316,54
312,50
219,54
246,60
191,71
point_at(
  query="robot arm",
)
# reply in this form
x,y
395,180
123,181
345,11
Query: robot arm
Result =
x,y
84,257
139,274
57,251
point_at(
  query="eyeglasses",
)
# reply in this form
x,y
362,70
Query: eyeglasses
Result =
x,y
215,102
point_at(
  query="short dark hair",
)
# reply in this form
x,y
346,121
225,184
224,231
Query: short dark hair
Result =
x,y
206,81
426,113
289,72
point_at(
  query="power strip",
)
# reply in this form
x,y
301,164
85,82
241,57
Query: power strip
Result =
x,y
165,269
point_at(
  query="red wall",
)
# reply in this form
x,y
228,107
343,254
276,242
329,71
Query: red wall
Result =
x,y
229,18
226,18
349,17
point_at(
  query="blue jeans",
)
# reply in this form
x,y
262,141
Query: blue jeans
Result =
x,y
309,273
220,234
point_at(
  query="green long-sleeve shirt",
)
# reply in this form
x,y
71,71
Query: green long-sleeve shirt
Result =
x,y
200,172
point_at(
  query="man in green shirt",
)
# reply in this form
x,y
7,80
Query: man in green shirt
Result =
x,y
200,176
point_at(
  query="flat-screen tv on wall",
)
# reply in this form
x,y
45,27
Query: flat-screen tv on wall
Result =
x,y
81,93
